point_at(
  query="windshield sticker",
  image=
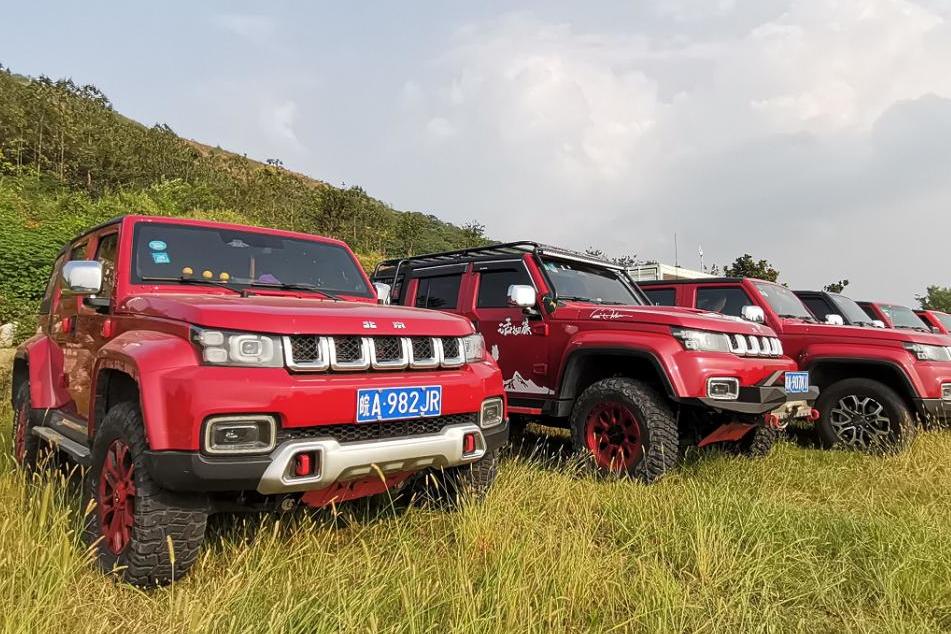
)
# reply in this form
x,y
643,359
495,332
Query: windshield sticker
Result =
x,y
607,313
507,328
160,257
157,245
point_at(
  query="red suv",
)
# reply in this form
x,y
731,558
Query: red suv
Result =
x,y
873,380
895,316
936,320
198,367
580,347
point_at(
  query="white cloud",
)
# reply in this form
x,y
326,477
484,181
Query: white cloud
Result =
x,y
258,29
797,136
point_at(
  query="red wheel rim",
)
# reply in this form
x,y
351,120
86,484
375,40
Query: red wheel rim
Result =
x,y
613,435
117,497
19,438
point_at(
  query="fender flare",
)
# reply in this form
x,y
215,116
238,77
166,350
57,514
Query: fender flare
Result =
x,y
572,367
907,383
45,370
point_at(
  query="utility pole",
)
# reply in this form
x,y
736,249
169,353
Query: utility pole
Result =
x,y
676,253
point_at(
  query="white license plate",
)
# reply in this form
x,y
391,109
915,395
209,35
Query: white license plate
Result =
x,y
396,403
797,382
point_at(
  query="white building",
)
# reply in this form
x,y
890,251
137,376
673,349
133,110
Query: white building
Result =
x,y
648,272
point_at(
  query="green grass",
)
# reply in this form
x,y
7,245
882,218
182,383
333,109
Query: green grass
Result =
x,y
805,540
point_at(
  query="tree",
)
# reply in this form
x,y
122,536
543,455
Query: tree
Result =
x,y
473,234
936,298
746,266
836,287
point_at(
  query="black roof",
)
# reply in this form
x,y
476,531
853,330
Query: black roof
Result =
x,y
101,225
489,252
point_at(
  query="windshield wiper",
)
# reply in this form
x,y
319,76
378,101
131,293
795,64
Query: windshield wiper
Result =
x,y
193,280
811,320
601,302
296,287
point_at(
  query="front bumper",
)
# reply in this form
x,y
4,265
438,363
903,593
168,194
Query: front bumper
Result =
x,y
762,400
934,409
271,473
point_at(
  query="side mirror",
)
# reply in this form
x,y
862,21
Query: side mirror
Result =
x,y
754,314
878,323
936,330
82,277
522,296
382,292
835,320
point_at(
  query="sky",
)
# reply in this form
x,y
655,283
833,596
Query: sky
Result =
x,y
815,134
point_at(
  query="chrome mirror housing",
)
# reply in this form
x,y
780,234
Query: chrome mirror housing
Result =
x,y
522,296
835,320
754,314
82,277
382,292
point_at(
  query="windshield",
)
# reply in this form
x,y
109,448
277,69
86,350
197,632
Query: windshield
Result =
x,y
903,317
944,318
165,252
589,283
850,310
784,301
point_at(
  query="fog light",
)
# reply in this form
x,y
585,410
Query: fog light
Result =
x,y
723,389
946,392
493,412
240,434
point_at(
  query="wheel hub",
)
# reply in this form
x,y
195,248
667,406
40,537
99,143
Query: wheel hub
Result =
x,y
613,435
117,497
860,421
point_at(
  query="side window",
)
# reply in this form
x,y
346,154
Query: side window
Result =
x,y
728,301
78,252
106,255
817,306
440,292
661,296
494,285
47,302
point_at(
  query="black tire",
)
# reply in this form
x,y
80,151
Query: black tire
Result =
x,y
758,443
26,446
657,434
887,425
158,517
450,487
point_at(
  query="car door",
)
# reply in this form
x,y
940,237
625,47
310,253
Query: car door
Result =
x,y
64,313
517,340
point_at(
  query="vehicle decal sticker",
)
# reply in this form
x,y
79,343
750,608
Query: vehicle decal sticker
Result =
x,y
495,352
157,245
607,313
160,257
507,328
518,383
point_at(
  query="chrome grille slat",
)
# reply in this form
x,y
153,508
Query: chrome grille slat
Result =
x,y
755,346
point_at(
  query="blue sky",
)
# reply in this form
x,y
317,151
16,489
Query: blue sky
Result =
x,y
813,133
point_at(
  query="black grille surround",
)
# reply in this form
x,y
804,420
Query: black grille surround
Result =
x,y
355,353
360,432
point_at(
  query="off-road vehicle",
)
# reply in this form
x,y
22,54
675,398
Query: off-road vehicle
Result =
x,y
580,347
196,367
874,381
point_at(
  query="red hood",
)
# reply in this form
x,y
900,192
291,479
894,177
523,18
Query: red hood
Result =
x,y
863,333
293,315
672,316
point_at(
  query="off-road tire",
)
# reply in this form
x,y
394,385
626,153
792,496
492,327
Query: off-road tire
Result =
x,y
159,516
25,418
757,443
450,487
902,425
660,440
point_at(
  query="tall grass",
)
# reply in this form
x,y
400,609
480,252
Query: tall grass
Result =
x,y
805,541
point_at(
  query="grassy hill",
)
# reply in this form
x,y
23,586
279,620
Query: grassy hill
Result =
x,y
68,160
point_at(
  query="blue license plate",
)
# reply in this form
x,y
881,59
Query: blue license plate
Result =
x,y
396,403
797,382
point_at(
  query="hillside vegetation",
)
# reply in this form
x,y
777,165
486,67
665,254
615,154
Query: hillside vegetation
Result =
x,y
69,161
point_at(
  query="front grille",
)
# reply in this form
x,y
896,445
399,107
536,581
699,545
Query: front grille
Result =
x,y
359,432
315,353
755,346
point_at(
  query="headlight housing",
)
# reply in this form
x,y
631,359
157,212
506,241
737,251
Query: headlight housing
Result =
x,y
703,340
228,348
474,348
929,353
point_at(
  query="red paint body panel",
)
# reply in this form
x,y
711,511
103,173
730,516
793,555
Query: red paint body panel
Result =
x,y
47,389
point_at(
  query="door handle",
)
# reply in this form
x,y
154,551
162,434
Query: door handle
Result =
x,y
540,330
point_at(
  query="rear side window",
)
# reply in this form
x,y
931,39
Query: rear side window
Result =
x,y
661,296
494,285
440,292
106,255
78,252
818,306
727,301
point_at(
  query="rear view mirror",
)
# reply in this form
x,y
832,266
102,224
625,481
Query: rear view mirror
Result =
x,y
754,314
522,296
82,277
382,292
835,320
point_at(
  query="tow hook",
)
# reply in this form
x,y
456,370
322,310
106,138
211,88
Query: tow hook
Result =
x,y
814,414
773,421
